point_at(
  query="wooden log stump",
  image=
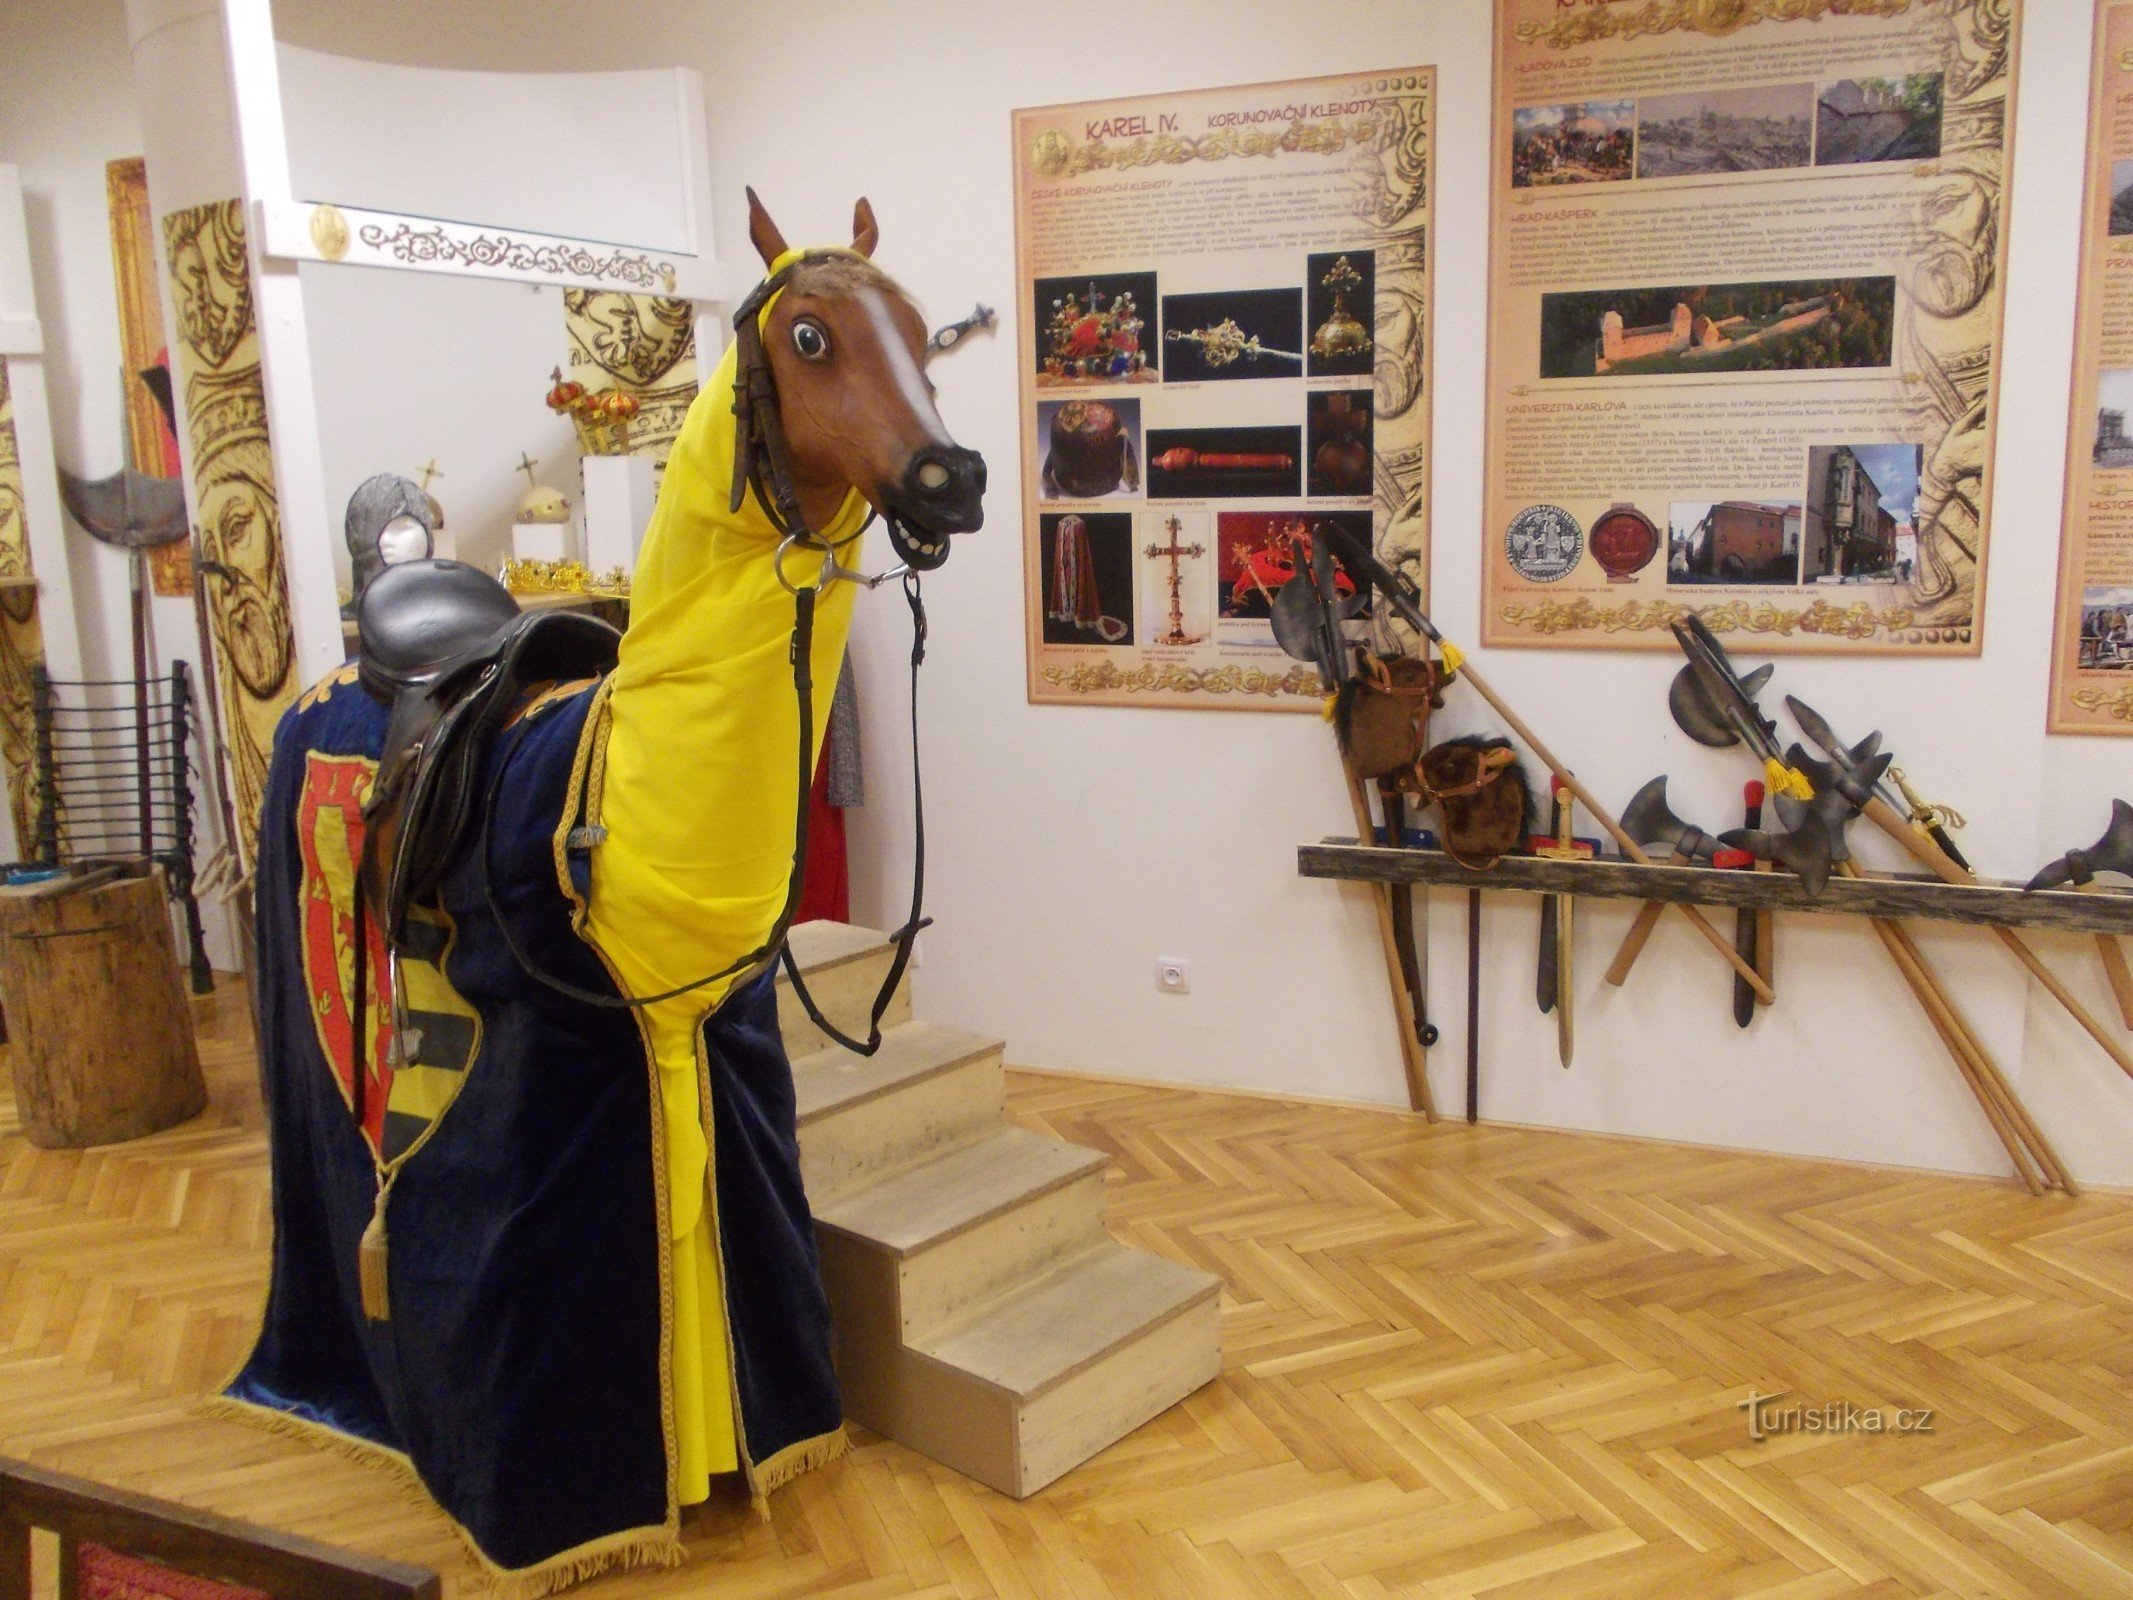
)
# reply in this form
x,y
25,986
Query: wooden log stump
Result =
x,y
101,1034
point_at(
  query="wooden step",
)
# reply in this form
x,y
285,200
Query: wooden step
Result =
x,y
843,966
927,1089
1022,1389
918,1249
984,1318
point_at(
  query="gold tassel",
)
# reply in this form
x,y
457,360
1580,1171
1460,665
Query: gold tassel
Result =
x,y
370,1262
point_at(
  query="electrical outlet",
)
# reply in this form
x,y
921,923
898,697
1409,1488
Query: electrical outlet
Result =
x,y
1173,975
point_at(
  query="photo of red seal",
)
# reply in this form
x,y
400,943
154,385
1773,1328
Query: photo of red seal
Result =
x,y
1622,540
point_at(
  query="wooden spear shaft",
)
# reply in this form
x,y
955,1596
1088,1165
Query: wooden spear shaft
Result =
x,y
1606,819
1412,1060
1934,1003
1983,1069
1896,827
2010,1119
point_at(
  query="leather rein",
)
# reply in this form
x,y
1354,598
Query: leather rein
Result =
x,y
762,460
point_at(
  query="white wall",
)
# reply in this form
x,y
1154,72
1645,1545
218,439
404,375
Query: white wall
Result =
x,y
413,367
1071,846
66,108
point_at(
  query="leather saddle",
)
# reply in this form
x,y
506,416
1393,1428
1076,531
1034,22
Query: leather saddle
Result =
x,y
447,648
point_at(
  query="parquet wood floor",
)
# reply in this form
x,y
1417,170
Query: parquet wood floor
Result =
x,y
1458,1362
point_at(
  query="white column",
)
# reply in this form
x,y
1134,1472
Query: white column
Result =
x,y
22,347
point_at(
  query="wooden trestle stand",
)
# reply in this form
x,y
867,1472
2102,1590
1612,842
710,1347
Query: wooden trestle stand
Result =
x,y
99,1029
1882,899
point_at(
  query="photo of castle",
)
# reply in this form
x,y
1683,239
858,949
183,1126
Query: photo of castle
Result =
x,y
1860,502
2114,401
1725,130
1733,542
1727,327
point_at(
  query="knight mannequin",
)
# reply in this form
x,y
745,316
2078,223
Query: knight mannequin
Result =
x,y
389,521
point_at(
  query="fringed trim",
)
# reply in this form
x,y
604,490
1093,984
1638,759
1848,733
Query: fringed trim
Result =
x,y
619,1552
765,1478
271,1419
614,1552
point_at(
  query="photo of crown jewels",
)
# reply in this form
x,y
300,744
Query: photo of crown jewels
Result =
x,y
1340,334
1225,342
1085,338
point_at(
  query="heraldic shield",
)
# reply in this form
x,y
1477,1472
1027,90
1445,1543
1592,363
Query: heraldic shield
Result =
x,y
415,1054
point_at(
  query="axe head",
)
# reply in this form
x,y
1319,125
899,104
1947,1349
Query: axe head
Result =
x,y
1805,850
128,509
1698,715
1307,614
2112,853
1650,821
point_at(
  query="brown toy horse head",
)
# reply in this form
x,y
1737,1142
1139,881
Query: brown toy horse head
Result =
x,y
846,347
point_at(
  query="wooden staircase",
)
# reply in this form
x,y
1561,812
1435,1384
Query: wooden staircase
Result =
x,y
985,1318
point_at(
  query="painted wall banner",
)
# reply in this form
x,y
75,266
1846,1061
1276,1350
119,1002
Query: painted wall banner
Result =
x,y
1746,266
1224,314
21,634
645,344
2092,647
222,402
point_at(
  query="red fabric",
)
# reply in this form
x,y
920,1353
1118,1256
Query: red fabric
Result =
x,y
171,467
104,1574
826,891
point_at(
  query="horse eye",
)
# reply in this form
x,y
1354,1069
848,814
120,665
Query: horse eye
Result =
x,y
810,340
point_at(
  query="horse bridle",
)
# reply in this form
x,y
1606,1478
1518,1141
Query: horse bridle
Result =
x,y
762,461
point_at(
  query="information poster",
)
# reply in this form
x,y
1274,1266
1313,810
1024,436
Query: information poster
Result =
x,y
1746,263
1224,320
2092,650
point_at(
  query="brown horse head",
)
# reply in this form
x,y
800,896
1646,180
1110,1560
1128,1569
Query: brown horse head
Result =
x,y
846,347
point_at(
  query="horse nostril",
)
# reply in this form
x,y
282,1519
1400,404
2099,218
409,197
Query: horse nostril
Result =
x,y
933,476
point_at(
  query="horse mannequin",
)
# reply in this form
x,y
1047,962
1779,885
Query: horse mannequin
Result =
x,y
603,1290
696,864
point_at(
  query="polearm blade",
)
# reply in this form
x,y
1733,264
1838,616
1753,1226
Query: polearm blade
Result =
x,y
1821,734
128,509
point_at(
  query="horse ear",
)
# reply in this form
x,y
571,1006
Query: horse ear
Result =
x,y
865,234
763,233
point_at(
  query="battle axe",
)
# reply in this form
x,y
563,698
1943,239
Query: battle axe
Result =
x,y
1921,845
1651,822
2112,853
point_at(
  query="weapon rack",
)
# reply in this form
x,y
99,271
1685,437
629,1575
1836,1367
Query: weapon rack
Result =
x,y
1992,902
113,768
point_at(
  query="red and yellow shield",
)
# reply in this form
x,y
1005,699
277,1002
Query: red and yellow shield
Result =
x,y
416,1055
329,832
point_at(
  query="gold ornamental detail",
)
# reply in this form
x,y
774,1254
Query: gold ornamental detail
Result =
x,y
1169,678
1715,18
2117,704
329,231
433,245
1054,155
1856,621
